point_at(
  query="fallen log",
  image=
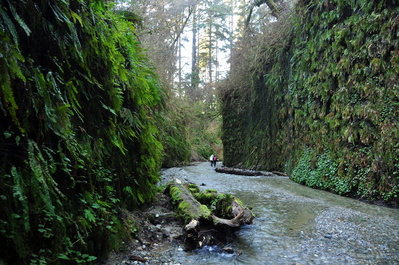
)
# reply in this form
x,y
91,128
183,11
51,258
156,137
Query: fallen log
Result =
x,y
209,217
247,172
278,173
238,171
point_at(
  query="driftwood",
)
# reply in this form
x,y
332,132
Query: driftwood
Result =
x,y
238,171
209,217
247,172
280,173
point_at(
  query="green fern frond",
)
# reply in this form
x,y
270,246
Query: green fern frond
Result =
x,y
89,215
58,13
19,19
72,92
38,183
42,184
76,17
9,99
9,24
19,193
116,140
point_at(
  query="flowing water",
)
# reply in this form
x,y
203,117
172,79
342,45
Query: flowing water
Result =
x,y
295,224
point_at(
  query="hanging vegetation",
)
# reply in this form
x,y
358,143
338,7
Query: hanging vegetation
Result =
x,y
323,100
78,141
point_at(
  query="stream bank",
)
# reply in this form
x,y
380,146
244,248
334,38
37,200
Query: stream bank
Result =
x,y
294,225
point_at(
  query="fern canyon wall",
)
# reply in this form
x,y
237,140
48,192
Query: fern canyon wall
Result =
x,y
317,96
79,140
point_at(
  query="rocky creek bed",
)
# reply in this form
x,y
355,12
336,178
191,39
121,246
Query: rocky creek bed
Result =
x,y
333,234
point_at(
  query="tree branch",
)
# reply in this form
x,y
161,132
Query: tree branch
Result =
x,y
273,6
190,11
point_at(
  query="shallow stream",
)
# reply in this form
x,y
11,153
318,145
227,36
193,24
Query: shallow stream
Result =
x,y
295,224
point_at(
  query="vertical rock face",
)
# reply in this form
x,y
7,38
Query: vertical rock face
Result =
x,y
78,137
323,100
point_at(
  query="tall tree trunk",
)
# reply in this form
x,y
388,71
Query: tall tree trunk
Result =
x,y
216,61
180,72
194,59
210,53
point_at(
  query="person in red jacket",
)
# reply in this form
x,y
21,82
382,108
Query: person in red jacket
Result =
x,y
215,159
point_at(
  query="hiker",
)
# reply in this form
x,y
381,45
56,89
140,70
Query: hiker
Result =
x,y
211,159
215,159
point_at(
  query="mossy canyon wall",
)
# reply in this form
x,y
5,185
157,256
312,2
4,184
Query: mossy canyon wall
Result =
x,y
322,100
79,142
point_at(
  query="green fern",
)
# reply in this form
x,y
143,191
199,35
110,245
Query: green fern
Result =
x,y
19,189
85,112
9,100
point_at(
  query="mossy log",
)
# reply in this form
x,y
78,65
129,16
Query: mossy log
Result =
x,y
209,217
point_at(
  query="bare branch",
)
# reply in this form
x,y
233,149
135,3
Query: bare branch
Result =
x,y
275,6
